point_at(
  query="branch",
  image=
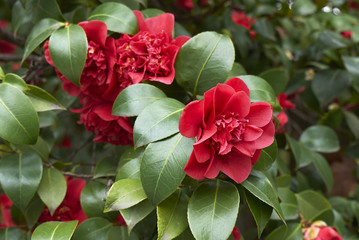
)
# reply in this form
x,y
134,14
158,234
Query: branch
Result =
x,y
77,175
7,151
17,57
8,36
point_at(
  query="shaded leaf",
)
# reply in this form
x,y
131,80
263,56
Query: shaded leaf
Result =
x,y
11,233
42,100
137,213
320,138
277,78
92,229
46,9
54,230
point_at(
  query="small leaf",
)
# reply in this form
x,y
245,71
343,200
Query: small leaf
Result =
x,y
40,147
301,153
277,78
129,155
118,17
157,121
20,176
129,103
264,28
130,169
267,157
68,51
41,31
54,230
353,123
42,100
162,166
52,188
18,119
123,194
352,66
237,70
172,216
288,203
330,40
15,81
93,229
105,167
320,138
290,232
324,170
11,233
137,213
204,61
2,74
304,7
213,209
46,9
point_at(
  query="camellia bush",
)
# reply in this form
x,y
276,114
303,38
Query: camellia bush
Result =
x,y
179,119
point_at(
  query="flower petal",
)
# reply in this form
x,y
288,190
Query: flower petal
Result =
x,y
267,137
238,85
222,94
208,107
195,169
180,40
239,103
256,156
214,167
161,23
246,148
252,133
191,119
236,166
96,31
260,114
203,152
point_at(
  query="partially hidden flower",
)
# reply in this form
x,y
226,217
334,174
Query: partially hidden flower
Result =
x,y
230,131
346,34
5,206
236,234
185,4
242,19
320,231
5,46
151,53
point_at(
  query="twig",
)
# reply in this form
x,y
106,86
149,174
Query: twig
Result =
x,y
7,151
77,175
8,36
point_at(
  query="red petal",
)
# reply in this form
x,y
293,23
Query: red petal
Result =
x,y
282,118
140,21
246,148
239,103
191,119
208,108
222,94
96,31
328,233
252,133
236,166
180,40
214,167
74,188
104,111
194,169
238,85
203,152
260,114
256,156
267,137
160,23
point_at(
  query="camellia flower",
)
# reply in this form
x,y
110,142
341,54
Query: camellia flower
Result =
x,y
230,131
320,231
346,34
151,53
185,4
5,206
282,116
242,19
5,46
236,234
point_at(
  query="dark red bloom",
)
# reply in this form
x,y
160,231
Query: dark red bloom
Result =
x,y
320,231
242,19
5,206
285,104
353,5
185,4
151,53
5,46
230,131
236,234
346,34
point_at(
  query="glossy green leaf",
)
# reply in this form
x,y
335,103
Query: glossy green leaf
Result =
x,y
267,157
172,216
130,154
204,61
291,232
41,31
237,70
277,78
123,194
68,51
18,118
288,203
93,229
52,188
352,66
40,147
20,18
118,17
301,153
304,7
54,231
157,121
15,81
213,209
2,74
353,122
260,211
130,169
11,233
260,186
137,213
314,206
120,232
162,166
105,167
20,176
92,201
328,84
130,103
42,100
46,9
320,138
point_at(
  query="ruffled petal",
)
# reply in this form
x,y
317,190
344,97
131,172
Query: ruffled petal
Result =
x,y
140,21
104,111
239,103
191,119
214,167
203,152
96,31
238,85
236,166
260,114
195,169
246,148
222,94
252,133
161,23
267,138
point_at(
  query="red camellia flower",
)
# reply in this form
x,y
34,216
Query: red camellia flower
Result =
x,y
236,234
5,46
5,206
230,131
346,34
150,54
185,4
320,231
242,19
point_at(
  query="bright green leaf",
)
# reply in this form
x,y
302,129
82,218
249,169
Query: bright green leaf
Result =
x,y
2,74
15,81
93,229
137,213
130,169
42,100
54,231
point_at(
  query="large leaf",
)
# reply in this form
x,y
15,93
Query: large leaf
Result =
x,y
18,119
118,17
42,100
11,233
54,231
123,194
137,213
204,61
213,209
133,99
301,153
52,188
162,166
320,138
260,186
68,51
20,176
277,78
93,229
41,31
157,121
172,216
46,9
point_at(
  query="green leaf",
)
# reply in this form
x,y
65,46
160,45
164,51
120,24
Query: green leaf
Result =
x,y
130,103
204,61
328,84
55,230
260,211
162,166
118,17
237,70
20,18
130,169
11,233
92,201
320,138
290,232
42,100
52,188
277,78
123,194
41,31
267,157
314,206
40,147
20,176
93,229
304,7
18,118
130,154
352,66
264,28
2,74
157,121
137,213
105,167
172,216
68,51
353,123
324,170
301,153
46,9
330,40
213,209
15,81
260,186
116,233
288,203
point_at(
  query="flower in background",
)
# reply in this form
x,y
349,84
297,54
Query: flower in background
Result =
x,y
353,5
5,46
185,4
242,19
5,206
346,34
320,231
236,234
230,131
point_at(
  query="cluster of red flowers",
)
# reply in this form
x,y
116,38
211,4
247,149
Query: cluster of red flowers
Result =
x,y
112,65
320,231
242,19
